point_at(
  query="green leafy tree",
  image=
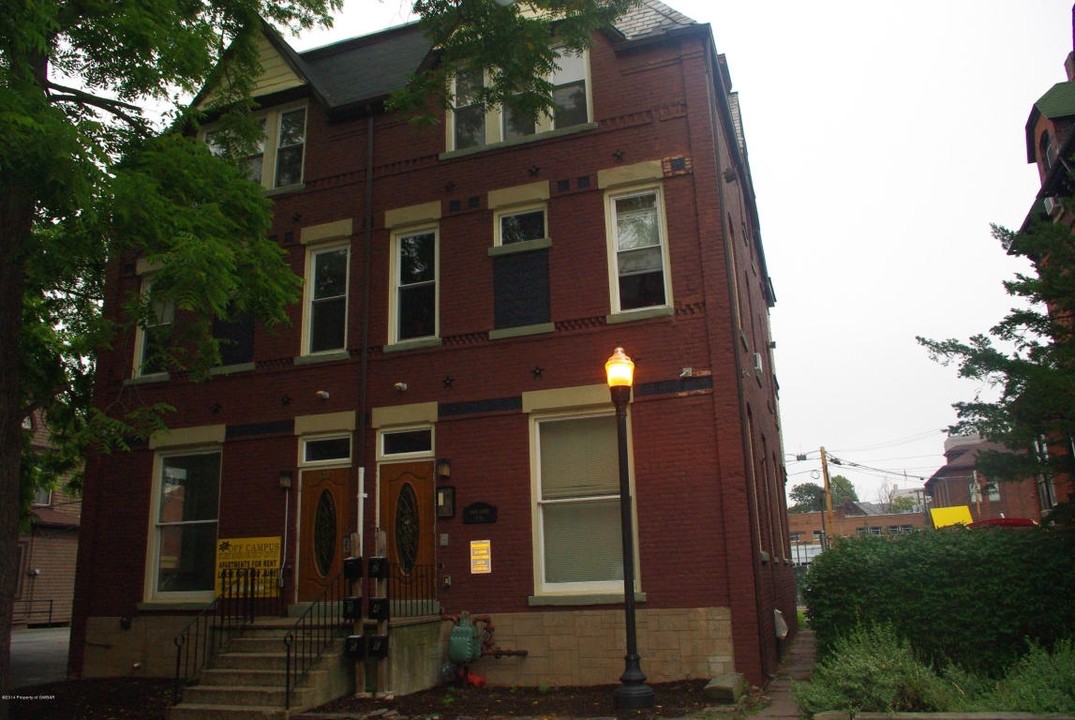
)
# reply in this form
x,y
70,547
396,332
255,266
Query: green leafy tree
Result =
x,y
85,179
810,497
1027,360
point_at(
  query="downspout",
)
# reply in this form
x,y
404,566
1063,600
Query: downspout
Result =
x,y
363,372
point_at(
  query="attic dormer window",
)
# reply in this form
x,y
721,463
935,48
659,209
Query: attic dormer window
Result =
x,y
276,159
472,126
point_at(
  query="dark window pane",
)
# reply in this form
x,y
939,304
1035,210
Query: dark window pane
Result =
x,y
522,227
569,104
521,289
328,319
328,449
517,125
417,311
330,273
236,340
643,290
417,256
408,441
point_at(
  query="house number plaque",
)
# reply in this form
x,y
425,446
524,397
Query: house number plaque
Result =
x,y
479,513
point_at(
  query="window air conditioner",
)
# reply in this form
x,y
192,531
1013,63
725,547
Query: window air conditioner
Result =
x,y
1053,206
757,362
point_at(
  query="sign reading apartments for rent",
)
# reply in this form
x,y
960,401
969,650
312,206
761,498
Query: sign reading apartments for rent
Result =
x,y
252,553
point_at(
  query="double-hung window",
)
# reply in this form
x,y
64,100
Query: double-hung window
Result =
x,y
153,336
326,294
579,545
275,159
186,492
414,285
290,146
472,126
638,250
468,115
520,268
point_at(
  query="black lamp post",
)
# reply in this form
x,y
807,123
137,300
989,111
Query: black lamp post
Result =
x,y
633,693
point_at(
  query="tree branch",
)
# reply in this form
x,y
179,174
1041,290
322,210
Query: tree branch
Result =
x,y
115,107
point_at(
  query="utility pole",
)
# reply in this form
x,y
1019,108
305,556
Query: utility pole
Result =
x,y
828,491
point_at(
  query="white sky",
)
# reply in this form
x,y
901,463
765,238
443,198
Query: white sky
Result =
x,y
884,139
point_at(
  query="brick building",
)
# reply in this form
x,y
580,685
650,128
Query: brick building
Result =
x,y
957,483
442,383
45,569
810,532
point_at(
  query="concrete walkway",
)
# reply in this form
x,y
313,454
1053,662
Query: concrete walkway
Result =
x,y
39,655
798,664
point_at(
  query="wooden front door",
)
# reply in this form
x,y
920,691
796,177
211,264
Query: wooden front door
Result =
x,y
408,519
322,529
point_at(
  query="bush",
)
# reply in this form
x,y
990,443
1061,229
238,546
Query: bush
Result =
x,y
975,598
1040,682
871,670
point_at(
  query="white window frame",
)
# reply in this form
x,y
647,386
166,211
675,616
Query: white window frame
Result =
x,y
394,284
308,300
613,589
270,145
498,226
612,238
307,439
383,456
495,118
153,546
141,333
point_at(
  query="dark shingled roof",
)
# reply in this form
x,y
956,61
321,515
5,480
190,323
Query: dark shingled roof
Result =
x,y
369,68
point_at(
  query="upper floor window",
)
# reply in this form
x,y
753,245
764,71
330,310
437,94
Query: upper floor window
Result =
x,y
472,126
152,338
516,226
235,339
326,299
414,286
1047,152
284,131
638,250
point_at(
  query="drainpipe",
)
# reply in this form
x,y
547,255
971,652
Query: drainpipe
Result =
x,y
363,372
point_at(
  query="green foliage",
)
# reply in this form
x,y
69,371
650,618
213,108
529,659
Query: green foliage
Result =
x,y
871,670
976,598
1028,358
810,497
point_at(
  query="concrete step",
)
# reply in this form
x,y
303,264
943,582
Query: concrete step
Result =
x,y
190,711
231,677
250,661
258,644
244,695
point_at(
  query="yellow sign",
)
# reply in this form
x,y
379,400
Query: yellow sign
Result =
x,y
943,517
255,559
481,557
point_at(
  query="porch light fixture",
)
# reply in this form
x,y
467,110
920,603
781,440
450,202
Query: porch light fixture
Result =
x,y
444,468
633,692
285,479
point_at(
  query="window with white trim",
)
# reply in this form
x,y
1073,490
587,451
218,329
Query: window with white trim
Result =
x,y
410,442
284,132
414,285
186,498
326,449
326,298
638,250
153,334
577,504
520,225
472,126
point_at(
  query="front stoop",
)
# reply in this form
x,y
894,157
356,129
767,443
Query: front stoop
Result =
x,y
248,681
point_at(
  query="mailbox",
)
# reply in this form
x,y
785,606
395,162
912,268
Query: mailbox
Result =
x,y
352,607
352,568
379,609
378,567
378,646
355,647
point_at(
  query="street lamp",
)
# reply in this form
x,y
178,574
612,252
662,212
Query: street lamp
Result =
x,y
633,693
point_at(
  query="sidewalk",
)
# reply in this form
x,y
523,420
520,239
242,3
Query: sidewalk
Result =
x,y
798,664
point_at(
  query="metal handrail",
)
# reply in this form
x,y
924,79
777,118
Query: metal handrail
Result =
x,y
209,631
314,632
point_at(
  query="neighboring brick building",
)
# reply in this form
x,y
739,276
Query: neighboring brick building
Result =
x,y
958,483
810,531
466,401
45,570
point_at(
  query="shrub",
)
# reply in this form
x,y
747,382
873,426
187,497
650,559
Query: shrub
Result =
x,y
871,670
975,598
1040,682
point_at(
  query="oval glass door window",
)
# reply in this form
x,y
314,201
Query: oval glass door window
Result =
x,y
407,529
325,532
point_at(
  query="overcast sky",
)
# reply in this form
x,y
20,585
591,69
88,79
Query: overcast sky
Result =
x,y
884,139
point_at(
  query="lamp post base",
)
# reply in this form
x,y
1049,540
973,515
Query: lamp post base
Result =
x,y
633,697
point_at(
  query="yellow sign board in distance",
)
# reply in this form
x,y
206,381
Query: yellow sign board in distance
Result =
x,y
252,553
946,516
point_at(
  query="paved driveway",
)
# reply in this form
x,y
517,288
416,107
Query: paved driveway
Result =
x,y
39,655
